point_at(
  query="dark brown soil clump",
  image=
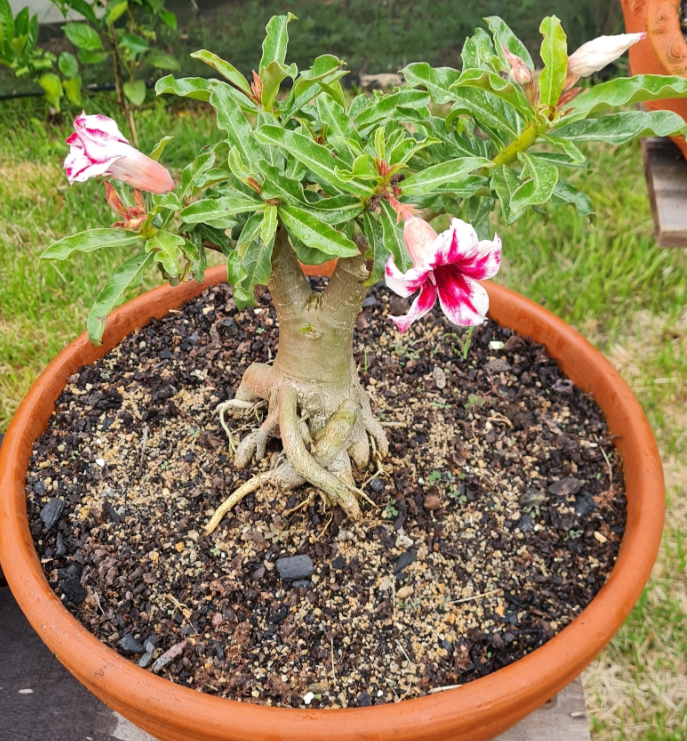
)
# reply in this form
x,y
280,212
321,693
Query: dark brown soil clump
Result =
x,y
498,516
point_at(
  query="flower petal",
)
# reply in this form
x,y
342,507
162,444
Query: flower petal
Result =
x,y
464,301
404,284
457,243
422,304
141,172
485,263
419,238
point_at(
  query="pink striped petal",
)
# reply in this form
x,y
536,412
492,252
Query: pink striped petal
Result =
x,y
404,284
486,261
455,244
422,304
464,301
420,239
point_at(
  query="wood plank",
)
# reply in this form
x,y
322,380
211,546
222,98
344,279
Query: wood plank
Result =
x,y
666,176
59,708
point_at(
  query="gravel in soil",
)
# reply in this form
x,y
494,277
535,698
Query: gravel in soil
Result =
x,y
497,517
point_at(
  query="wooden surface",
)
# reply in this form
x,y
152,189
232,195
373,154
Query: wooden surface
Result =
x,y
58,708
666,177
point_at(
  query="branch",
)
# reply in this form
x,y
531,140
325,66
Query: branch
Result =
x,y
288,286
345,292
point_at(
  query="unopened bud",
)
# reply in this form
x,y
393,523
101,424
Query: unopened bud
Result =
x,y
597,54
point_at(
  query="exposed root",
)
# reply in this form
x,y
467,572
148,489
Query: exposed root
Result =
x,y
248,488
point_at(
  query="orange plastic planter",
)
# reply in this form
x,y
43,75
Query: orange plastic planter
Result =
x,y
476,712
663,52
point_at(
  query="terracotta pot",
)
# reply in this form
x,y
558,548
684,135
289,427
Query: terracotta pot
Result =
x,y
478,711
663,52
319,271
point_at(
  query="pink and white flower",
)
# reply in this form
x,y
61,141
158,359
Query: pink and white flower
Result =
x,y
97,147
447,266
597,54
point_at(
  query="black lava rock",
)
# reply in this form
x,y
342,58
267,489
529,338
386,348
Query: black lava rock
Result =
x,y
584,503
295,567
279,616
60,545
129,645
339,562
370,301
228,328
376,485
302,583
405,559
525,524
51,513
73,590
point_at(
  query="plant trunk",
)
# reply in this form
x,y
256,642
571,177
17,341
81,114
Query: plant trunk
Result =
x,y
316,403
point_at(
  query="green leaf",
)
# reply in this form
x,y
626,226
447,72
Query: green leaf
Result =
x,y
257,261
363,167
116,11
304,89
187,87
315,233
479,52
72,89
340,209
170,201
268,228
618,128
195,254
393,237
235,270
6,21
503,36
68,65
538,189
135,91
212,209
126,276
314,156
408,148
83,36
160,60
436,80
85,8
488,112
228,71
387,106
564,192
571,157
92,57
94,239
135,44
272,77
377,250
554,54
251,230
432,178
169,19
52,85
194,171
276,41
278,185
504,182
626,91
495,85
231,119
159,148
165,248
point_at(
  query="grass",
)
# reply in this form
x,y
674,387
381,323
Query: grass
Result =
x,y
610,281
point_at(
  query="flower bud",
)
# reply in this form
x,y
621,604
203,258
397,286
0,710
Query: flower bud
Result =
x,y
419,238
597,54
97,147
519,71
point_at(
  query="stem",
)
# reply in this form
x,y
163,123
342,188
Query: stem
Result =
x,y
526,140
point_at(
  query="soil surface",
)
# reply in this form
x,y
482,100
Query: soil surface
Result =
x,y
498,514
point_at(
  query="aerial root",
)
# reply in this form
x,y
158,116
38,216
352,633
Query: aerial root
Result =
x,y
327,467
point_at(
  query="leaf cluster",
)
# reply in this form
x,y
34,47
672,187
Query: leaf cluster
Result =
x,y
336,173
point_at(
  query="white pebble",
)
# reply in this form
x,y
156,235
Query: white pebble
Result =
x,y
496,345
439,377
25,692
308,698
403,541
100,462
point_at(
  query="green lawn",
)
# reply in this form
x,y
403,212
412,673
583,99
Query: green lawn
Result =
x,y
610,281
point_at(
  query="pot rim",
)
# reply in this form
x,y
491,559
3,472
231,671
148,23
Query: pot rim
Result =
x,y
484,707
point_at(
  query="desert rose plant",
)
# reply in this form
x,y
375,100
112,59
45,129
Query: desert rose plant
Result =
x,y
310,175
